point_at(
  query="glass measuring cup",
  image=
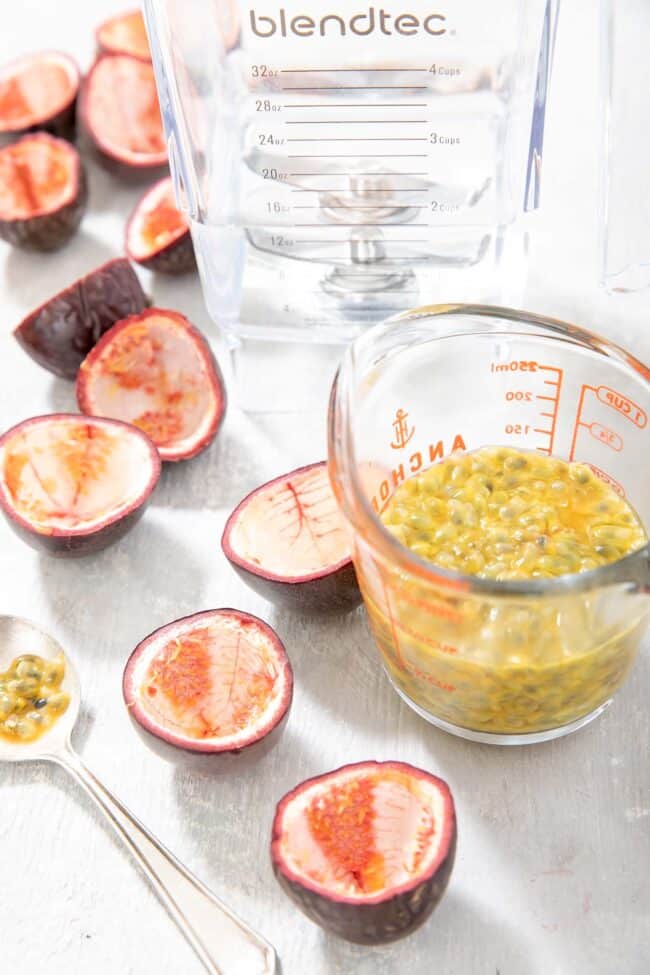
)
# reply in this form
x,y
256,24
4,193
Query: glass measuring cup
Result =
x,y
504,662
340,163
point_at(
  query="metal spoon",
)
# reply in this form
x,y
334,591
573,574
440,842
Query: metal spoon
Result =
x,y
225,945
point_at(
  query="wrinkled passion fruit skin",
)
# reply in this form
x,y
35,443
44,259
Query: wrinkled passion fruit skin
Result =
x,y
50,231
76,545
61,332
177,257
335,592
396,914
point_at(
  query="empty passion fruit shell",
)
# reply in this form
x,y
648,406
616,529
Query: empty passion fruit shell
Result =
x,y
124,34
38,91
43,192
157,234
215,682
60,333
71,485
120,114
287,540
366,851
156,371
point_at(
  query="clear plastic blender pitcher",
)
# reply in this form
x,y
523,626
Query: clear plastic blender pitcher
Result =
x,y
495,661
340,163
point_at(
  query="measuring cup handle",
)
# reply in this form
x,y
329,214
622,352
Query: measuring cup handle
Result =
x,y
225,945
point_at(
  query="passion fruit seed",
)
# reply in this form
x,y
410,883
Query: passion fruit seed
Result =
x,y
28,705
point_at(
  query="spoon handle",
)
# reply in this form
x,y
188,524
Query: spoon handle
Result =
x,y
225,945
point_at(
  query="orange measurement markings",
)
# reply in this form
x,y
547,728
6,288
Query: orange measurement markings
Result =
x,y
619,404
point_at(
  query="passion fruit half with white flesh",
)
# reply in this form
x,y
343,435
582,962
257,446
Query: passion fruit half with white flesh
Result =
x,y
287,540
217,682
43,192
120,114
366,851
156,371
124,34
60,333
158,235
71,485
38,91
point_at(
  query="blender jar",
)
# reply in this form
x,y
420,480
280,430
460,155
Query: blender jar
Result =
x,y
340,164
495,661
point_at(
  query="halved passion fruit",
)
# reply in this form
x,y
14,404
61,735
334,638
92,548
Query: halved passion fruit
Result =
x,y
38,91
43,192
216,682
71,485
156,371
287,540
124,34
366,851
158,235
60,333
120,114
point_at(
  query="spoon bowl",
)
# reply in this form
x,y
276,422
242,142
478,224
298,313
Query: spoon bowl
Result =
x,y
17,637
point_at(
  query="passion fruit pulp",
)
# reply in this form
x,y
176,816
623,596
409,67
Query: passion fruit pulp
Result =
x,y
120,114
38,91
287,540
366,851
71,485
124,34
43,192
158,235
155,370
61,332
216,682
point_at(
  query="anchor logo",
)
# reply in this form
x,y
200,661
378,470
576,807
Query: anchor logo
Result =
x,y
402,432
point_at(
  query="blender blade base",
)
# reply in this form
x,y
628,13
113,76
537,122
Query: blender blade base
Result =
x,y
485,738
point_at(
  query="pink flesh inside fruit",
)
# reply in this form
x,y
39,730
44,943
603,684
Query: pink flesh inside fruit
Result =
x,y
290,528
155,370
38,175
121,110
365,832
34,89
216,681
156,222
67,475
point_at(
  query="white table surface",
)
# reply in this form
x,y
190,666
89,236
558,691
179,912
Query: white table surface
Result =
x,y
553,868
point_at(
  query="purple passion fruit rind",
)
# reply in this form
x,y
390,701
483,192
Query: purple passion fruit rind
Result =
x,y
177,695
26,221
287,541
56,115
157,234
157,371
62,331
126,136
384,915
88,451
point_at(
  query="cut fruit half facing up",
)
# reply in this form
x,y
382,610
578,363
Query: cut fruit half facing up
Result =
x,y
124,34
158,235
287,540
156,370
366,851
38,91
120,114
217,682
42,192
71,484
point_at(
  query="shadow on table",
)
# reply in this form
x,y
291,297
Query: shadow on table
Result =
x,y
460,936
123,593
